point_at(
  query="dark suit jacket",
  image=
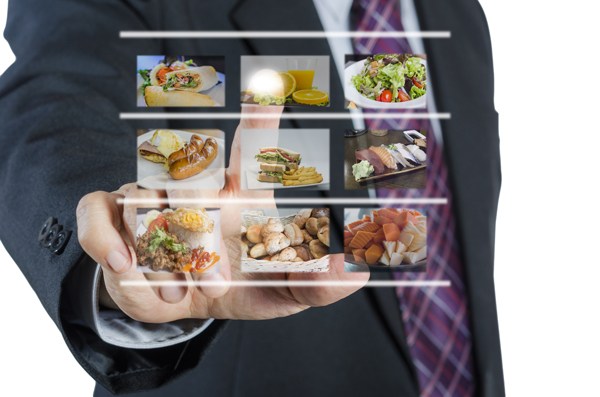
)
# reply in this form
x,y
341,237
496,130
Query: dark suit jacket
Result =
x,y
61,138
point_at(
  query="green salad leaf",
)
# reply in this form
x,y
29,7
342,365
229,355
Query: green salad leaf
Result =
x,y
277,175
414,68
392,75
416,92
145,75
270,156
172,80
160,238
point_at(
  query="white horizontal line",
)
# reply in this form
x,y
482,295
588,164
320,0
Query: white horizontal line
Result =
x,y
286,283
263,34
283,116
216,202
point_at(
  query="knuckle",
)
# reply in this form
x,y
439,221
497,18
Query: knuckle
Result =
x,y
86,202
82,213
321,296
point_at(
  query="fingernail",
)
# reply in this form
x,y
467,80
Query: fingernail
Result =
x,y
172,294
117,261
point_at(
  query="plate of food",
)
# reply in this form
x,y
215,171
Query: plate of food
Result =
x,y
180,84
387,238
298,242
173,159
184,240
279,168
383,161
387,81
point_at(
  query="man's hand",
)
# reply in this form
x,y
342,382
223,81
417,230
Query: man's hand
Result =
x,y
105,233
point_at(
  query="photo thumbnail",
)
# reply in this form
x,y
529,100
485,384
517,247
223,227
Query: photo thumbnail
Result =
x,y
285,240
181,159
299,81
180,81
181,240
385,238
285,159
385,81
385,159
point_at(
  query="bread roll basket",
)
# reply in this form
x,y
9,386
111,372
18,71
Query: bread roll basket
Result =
x,y
266,266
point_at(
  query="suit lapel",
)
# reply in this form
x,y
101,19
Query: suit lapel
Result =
x,y
470,137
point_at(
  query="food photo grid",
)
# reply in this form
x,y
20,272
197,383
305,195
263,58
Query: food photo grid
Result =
x,y
180,81
275,240
285,159
282,240
180,159
297,81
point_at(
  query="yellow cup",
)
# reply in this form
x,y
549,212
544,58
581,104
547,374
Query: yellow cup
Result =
x,y
304,78
303,70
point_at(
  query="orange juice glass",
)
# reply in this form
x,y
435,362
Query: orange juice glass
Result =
x,y
303,70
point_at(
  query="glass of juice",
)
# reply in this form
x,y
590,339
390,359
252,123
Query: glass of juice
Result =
x,y
303,70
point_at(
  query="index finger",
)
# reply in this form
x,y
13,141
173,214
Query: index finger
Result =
x,y
251,119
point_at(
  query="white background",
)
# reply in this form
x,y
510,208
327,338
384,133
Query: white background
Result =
x,y
547,266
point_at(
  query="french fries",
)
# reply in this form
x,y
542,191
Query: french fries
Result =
x,y
302,176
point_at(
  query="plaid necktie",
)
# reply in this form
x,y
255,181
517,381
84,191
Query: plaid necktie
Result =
x,y
435,319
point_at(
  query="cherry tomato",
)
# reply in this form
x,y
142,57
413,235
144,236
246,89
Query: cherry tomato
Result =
x,y
417,83
403,96
378,99
158,223
386,96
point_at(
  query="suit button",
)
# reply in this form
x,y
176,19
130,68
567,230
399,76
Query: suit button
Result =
x,y
46,229
58,244
51,235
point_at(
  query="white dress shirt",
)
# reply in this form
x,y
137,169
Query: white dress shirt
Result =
x,y
115,327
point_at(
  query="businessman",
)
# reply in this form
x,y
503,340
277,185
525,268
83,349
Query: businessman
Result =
x,y
64,147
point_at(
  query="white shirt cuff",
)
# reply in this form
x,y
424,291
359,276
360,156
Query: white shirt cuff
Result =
x,y
116,328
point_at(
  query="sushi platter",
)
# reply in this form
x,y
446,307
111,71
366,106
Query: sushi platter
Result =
x,y
390,159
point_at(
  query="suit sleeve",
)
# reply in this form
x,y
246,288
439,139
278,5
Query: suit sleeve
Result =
x,y
61,138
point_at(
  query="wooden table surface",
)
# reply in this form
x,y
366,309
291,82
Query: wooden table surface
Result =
x,y
410,180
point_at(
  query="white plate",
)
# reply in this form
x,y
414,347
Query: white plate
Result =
x,y
353,95
212,246
154,176
217,93
254,184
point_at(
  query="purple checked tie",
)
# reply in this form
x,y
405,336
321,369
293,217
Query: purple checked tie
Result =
x,y
435,319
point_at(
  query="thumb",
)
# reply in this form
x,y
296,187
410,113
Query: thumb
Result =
x,y
99,230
